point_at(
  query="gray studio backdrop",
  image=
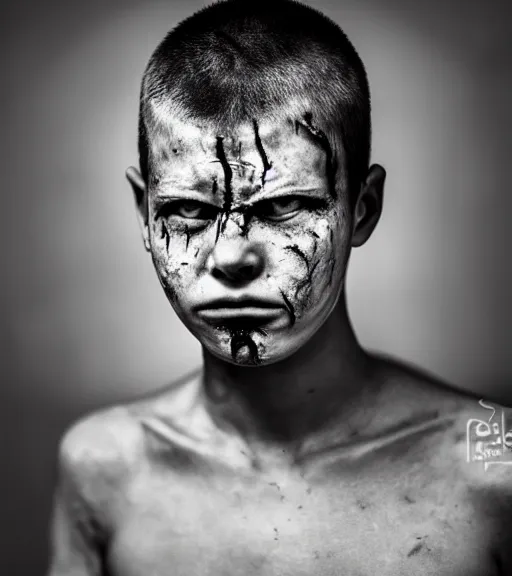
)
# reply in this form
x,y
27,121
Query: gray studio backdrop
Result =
x,y
86,320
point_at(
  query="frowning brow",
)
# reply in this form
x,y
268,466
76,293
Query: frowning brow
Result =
x,y
201,185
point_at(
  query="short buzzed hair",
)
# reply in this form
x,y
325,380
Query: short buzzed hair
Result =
x,y
238,60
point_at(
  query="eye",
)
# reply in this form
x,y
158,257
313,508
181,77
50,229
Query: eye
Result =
x,y
188,210
279,209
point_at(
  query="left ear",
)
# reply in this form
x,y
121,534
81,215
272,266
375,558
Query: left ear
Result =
x,y
369,205
141,202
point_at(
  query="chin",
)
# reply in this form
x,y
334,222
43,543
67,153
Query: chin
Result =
x,y
244,351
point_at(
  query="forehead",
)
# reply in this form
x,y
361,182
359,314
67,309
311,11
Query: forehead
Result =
x,y
186,154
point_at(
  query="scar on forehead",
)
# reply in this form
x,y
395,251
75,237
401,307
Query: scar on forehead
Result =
x,y
321,139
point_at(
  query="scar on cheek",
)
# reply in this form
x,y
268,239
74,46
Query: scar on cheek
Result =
x,y
307,282
289,307
296,250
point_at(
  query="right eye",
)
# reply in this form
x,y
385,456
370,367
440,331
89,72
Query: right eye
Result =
x,y
188,210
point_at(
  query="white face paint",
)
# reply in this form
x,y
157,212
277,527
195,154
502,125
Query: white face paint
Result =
x,y
248,236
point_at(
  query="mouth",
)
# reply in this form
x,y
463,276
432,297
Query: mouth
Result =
x,y
239,313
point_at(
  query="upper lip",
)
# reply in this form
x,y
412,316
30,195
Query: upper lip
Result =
x,y
243,302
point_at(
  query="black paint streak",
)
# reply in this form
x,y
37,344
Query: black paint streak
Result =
x,y
315,234
323,141
289,307
266,164
228,176
197,252
296,250
215,186
165,234
240,339
187,235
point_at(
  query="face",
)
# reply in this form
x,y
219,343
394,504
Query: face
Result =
x,y
249,234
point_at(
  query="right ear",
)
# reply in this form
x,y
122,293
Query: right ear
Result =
x,y
140,193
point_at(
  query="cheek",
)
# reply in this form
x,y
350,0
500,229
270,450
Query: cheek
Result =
x,y
174,253
309,260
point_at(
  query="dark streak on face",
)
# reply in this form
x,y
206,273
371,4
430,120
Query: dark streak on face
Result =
x,y
241,339
289,307
266,164
187,236
228,176
244,228
308,281
296,250
322,139
214,185
315,234
165,234
197,252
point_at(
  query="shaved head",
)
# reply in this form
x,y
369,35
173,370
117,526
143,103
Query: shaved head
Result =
x,y
243,61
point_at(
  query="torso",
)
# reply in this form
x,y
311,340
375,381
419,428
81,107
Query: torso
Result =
x,y
409,504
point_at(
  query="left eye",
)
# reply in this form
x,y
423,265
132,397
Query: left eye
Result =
x,y
280,208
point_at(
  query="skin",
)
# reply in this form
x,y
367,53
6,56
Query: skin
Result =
x,y
293,451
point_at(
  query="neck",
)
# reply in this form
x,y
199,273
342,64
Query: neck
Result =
x,y
291,401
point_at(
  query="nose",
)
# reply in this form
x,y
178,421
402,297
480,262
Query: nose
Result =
x,y
235,262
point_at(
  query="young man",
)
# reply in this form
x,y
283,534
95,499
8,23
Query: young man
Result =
x,y
293,451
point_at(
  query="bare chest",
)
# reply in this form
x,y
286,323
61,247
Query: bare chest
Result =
x,y
275,526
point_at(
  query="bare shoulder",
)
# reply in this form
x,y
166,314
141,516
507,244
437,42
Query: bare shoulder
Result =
x,y
110,442
458,458
97,453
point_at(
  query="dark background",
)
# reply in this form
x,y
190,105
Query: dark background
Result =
x,y
85,320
